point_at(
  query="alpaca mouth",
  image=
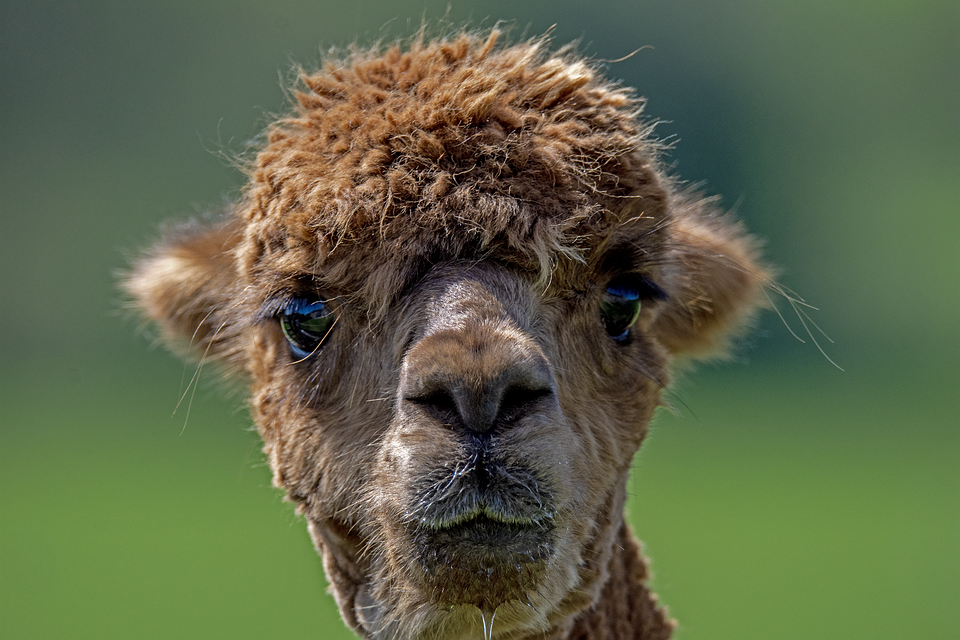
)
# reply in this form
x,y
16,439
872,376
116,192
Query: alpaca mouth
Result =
x,y
485,496
483,535
490,532
482,544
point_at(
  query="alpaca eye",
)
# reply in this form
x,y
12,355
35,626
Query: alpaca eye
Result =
x,y
305,323
621,302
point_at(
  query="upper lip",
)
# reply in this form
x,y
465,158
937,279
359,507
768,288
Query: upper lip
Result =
x,y
475,490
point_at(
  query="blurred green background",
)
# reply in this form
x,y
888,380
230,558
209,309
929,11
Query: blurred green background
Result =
x,y
783,499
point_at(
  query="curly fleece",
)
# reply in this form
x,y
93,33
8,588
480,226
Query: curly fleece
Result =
x,y
450,147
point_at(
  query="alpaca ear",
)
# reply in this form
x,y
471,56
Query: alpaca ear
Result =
x,y
184,281
718,287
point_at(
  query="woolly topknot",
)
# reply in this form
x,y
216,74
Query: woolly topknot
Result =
x,y
510,145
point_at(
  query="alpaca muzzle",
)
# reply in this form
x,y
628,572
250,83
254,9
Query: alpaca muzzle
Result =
x,y
480,516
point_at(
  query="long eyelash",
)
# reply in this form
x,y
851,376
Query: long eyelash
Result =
x,y
652,291
272,306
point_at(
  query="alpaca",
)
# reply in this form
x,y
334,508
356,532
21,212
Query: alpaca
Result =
x,y
457,281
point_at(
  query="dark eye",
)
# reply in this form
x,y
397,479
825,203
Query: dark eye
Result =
x,y
621,302
305,323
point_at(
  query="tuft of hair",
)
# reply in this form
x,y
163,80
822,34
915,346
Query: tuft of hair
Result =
x,y
452,146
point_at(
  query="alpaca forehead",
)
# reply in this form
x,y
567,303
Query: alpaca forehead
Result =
x,y
467,296
378,275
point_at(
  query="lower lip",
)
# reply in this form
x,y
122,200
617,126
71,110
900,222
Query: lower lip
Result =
x,y
486,535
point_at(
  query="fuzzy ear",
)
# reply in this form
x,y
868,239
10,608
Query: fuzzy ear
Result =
x,y
183,281
718,287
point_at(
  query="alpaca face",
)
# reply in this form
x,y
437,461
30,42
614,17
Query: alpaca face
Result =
x,y
465,459
500,470
456,283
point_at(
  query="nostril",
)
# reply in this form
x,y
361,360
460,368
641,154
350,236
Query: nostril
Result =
x,y
438,402
519,400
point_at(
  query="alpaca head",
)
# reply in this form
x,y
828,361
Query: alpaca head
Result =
x,y
456,282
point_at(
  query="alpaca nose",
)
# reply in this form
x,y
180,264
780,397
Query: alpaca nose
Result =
x,y
476,384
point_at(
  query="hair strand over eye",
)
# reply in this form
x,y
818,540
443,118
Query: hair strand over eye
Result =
x,y
305,323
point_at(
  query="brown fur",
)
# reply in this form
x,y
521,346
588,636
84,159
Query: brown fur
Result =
x,y
460,442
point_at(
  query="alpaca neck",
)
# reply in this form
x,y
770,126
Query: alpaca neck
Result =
x,y
626,608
